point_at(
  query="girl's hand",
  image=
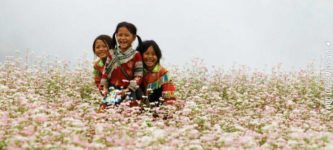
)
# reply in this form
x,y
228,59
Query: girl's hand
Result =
x,y
105,92
124,92
133,85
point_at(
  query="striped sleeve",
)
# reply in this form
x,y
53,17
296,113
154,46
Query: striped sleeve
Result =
x,y
168,89
138,68
104,74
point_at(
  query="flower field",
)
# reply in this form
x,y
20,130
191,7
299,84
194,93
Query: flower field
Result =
x,y
50,105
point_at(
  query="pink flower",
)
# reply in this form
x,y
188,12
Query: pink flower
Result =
x,y
14,147
120,141
175,142
41,119
245,139
32,106
23,100
194,134
269,110
135,127
77,140
4,116
289,103
187,111
28,131
109,139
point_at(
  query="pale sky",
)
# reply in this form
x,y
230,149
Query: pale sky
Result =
x,y
256,33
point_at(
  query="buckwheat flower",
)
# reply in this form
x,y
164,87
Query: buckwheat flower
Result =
x,y
77,140
190,104
41,118
14,147
289,103
210,110
4,116
193,134
3,88
160,124
109,139
245,139
186,111
194,144
209,138
158,133
28,131
99,128
175,142
77,123
67,104
296,111
269,109
144,141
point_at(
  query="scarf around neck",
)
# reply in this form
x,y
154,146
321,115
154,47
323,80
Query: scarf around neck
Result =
x,y
118,58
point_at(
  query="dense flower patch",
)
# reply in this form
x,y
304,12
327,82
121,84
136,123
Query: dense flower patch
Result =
x,y
52,106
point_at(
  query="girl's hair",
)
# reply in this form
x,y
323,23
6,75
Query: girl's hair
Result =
x,y
147,44
106,39
131,28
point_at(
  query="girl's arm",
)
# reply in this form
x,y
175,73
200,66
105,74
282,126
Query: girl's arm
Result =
x,y
135,83
168,96
138,72
104,86
168,90
138,80
97,74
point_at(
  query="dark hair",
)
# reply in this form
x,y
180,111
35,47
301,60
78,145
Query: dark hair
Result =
x,y
147,44
106,39
131,28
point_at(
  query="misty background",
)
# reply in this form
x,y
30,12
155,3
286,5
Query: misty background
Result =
x,y
255,33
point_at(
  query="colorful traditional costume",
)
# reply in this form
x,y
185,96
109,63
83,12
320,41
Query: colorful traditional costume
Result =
x,y
160,83
121,67
98,70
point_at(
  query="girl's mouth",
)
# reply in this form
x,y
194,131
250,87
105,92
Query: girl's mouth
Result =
x,y
122,42
149,63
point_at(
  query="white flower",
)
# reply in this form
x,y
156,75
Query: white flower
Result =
x,y
158,133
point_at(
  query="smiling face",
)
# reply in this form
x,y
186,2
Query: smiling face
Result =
x,y
125,38
150,58
101,49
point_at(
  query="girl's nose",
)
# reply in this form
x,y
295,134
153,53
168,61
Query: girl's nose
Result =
x,y
120,37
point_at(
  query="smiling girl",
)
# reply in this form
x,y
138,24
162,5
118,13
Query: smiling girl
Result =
x,y
101,48
156,77
123,68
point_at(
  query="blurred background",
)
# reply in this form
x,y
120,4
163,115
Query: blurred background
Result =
x,y
257,33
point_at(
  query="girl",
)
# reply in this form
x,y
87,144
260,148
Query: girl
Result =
x,y
101,47
123,69
156,78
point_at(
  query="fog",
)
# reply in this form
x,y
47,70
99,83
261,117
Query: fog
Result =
x,y
257,33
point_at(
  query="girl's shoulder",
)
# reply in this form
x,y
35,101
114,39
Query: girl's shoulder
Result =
x,y
98,62
162,70
137,55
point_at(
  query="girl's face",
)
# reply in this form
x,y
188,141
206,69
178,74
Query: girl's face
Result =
x,y
125,38
150,58
101,49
